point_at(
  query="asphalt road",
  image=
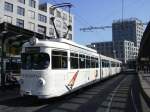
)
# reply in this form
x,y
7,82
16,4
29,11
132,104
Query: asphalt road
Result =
x,y
117,94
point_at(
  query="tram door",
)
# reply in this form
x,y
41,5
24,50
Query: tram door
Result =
x,y
72,75
60,66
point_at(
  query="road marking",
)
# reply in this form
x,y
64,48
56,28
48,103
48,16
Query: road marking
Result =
x,y
133,101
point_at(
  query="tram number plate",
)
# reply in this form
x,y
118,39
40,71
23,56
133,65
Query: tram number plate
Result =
x,y
32,49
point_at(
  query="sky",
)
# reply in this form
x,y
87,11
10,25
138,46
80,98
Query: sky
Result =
x,y
102,13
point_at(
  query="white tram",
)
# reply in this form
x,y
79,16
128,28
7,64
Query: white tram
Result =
x,y
51,68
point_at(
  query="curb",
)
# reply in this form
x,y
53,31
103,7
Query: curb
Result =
x,y
144,94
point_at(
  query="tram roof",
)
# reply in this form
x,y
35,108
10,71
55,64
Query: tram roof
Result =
x,y
62,40
61,43
109,58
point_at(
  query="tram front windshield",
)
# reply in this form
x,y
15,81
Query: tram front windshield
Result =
x,y
35,61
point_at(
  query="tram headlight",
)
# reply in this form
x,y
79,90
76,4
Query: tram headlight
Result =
x,y
41,82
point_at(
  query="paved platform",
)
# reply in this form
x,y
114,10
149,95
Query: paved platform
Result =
x,y
10,92
145,87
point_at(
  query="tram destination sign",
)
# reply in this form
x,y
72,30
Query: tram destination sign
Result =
x,y
32,49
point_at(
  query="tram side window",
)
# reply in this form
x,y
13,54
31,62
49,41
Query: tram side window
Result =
x,y
113,64
88,62
96,62
105,63
82,61
108,63
59,60
74,61
93,62
118,65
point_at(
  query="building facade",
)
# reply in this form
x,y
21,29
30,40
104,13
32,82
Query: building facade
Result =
x,y
129,29
126,36
31,15
105,48
125,51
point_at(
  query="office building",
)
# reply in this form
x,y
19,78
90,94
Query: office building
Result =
x,y
129,29
126,36
104,48
125,51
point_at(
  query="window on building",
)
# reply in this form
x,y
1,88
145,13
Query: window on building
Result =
x,y
74,63
51,11
8,19
58,23
64,34
41,29
59,60
31,26
42,18
31,14
20,23
64,16
70,19
50,21
8,7
70,36
58,14
32,3
21,1
51,31
59,32
65,25
20,11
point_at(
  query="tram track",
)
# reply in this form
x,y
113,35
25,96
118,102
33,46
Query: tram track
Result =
x,y
105,96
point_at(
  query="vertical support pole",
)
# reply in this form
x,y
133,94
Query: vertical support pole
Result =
x,y
122,14
2,62
122,10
